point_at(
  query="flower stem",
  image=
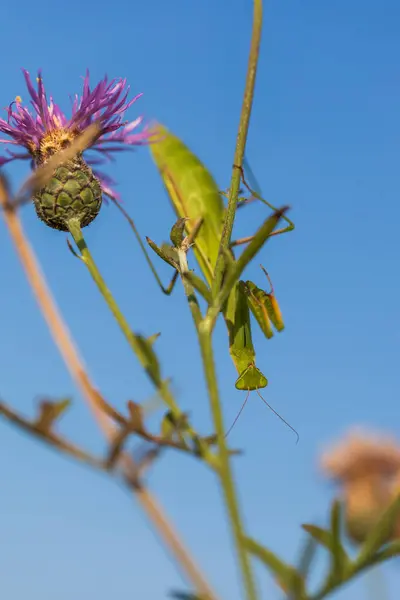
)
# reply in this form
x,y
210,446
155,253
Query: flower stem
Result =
x,y
240,140
225,471
137,347
135,342
204,333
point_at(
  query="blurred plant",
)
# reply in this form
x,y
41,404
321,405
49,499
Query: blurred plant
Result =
x,y
67,193
367,467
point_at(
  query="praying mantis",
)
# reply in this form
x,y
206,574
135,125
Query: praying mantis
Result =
x,y
195,197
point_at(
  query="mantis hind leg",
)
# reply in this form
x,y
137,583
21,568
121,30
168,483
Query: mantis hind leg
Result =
x,y
166,290
254,189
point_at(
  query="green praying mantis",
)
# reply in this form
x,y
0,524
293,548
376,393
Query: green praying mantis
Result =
x,y
196,198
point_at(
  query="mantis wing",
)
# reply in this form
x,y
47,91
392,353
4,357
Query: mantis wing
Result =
x,y
193,194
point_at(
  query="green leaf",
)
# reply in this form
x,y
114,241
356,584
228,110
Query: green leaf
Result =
x,y
325,538
380,533
339,560
153,338
289,579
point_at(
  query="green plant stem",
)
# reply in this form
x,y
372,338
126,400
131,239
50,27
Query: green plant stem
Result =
x,y
76,232
133,340
332,585
240,140
225,471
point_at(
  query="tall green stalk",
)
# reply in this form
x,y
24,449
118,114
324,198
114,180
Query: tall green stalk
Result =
x,y
240,140
205,329
204,333
225,471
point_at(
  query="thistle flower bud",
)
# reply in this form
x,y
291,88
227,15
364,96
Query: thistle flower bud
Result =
x,y
73,192
76,188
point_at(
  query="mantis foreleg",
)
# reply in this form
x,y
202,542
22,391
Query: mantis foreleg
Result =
x,y
166,290
255,192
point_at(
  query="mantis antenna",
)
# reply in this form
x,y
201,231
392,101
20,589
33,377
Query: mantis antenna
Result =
x,y
270,407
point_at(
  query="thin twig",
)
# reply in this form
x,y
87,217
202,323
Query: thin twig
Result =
x,y
75,365
159,441
50,438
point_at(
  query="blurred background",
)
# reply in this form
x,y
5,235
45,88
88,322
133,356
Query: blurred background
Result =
x,y
324,138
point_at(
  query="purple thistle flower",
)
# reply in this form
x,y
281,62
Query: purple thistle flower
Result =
x,y
45,129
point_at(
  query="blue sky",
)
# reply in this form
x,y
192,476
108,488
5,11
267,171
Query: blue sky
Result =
x,y
325,139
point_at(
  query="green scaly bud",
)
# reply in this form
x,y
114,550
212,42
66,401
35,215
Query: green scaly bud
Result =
x,y
72,192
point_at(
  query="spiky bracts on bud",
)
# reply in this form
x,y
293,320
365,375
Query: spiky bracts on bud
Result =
x,y
75,190
72,192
